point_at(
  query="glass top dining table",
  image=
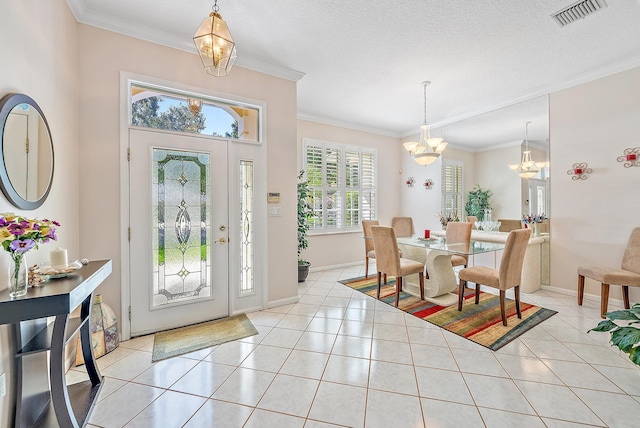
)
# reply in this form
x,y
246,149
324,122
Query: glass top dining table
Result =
x,y
474,247
436,254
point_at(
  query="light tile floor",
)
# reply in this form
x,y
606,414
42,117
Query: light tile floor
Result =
x,y
340,358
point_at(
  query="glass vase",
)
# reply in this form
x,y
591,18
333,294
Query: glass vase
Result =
x,y
18,275
536,229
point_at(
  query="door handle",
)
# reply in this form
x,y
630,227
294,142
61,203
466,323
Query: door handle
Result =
x,y
221,241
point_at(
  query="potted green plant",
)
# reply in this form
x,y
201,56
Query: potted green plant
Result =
x,y
625,337
477,202
304,212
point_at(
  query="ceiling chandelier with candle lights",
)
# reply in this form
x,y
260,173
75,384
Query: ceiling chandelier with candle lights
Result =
x,y
215,45
427,150
527,168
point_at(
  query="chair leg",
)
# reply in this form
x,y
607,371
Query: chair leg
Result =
x,y
625,296
421,276
463,285
580,289
604,299
398,289
385,279
503,310
379,277
477,293
516,291
366,267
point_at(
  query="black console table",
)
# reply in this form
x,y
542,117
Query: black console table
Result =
x,y
62,406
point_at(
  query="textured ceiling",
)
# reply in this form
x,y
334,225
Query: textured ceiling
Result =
x,y
362,61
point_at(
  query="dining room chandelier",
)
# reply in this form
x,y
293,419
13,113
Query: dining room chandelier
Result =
x,y
215,45
427,150
527,168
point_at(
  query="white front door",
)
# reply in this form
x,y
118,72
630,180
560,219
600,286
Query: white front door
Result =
x,y
179,230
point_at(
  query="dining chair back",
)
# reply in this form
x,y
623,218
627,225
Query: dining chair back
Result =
x,y
472,219
509,275
402,226
369,251
389,262
507,225
627,276
458,232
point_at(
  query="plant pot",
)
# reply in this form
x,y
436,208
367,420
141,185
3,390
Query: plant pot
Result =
x,y
303,271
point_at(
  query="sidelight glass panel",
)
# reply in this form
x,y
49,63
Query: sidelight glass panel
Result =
x,y
180,227
247,235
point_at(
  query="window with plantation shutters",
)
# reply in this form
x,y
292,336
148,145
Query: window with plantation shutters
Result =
x,y
452,197
342,182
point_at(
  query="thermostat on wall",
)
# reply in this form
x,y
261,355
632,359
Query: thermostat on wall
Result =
x,y
273,197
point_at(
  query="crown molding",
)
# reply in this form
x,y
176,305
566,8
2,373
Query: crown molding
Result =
x,y
151,35
333,122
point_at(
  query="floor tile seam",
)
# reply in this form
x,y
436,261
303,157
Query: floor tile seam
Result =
x,y
572,422
572,391
623,393
315,394
515,413
595,367
511,376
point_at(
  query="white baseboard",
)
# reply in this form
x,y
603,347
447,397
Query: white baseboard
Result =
x,y
282,302
340,266
246,310
590,297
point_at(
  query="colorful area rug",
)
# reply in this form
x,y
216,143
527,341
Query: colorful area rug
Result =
x,y
183,340
481,323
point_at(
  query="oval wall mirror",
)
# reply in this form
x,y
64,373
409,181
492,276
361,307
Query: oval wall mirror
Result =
x,y
26,170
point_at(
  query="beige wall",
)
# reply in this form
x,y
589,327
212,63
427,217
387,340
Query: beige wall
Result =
x,y
347,248
592,219
38,46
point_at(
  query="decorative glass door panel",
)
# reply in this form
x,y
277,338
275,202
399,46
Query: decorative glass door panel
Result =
x,y
181,197
179,255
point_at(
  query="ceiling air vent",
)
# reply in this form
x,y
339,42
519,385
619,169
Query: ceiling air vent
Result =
x,y
577,11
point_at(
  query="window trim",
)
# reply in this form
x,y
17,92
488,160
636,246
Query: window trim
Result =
x,y
456,163
342,188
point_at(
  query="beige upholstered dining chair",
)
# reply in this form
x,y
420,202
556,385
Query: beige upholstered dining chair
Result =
x,y
458,233
402,226
472,219
508,276
369,251
627,276
507,225
389,262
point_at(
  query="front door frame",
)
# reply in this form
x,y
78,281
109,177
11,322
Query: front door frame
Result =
x,y
260,149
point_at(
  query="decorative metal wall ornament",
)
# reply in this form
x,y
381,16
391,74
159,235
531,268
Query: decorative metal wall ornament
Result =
x,y
580,171
631,157
428,184
409,182
215,45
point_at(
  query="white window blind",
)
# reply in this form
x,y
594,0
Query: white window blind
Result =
x,y
342,182
452,185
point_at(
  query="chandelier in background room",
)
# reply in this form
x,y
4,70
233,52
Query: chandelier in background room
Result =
x,y
427,150
195,105
215,45
527,168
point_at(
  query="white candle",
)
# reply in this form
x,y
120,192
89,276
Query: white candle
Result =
x,y
59,257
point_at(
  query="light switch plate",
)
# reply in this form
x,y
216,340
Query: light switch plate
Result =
x,y
275,211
